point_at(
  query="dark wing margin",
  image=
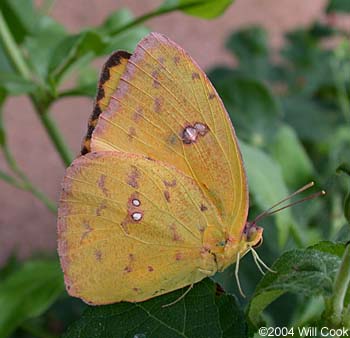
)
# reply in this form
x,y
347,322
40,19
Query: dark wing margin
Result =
x,y
108,83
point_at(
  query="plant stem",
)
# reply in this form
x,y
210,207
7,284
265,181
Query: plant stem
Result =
x,y
158,12
55,135
16,58
25,183
340,287
10,180
12,49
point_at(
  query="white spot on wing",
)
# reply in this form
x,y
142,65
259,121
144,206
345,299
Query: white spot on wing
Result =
x,y
136,216
136,202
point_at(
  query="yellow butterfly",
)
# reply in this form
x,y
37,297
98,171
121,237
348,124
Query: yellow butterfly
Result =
x,y
159,199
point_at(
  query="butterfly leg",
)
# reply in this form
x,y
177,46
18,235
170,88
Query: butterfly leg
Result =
x,y
181,297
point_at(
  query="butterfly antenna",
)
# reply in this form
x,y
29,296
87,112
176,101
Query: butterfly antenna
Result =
x,y
312,196
270,211
181,297
237,276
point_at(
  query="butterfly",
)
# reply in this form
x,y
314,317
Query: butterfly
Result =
x,y
158,199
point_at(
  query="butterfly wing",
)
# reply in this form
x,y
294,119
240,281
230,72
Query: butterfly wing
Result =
x,y
166,108
110,76
131,228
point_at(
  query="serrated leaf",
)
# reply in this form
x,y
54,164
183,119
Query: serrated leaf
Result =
x,y
296,166
201,313
206,9
28,292
308,272
267,185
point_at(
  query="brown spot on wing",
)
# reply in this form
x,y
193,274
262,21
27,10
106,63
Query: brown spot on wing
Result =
x,y
138,114
155,76
101,207
195,76
131,133
86,232
98,255
191,133
211,96
128,269
175,234
133,175
158,102
150,268
170,184
102,184
161,60
179,256
167,195
203,207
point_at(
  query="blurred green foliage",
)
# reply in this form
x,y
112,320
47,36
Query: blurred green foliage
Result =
x,y
291,112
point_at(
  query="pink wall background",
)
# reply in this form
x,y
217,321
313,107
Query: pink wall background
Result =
x,y
25,224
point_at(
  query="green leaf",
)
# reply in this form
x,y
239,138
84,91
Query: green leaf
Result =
x,y
338,6
205,9
297,168
267,185
20,17
311,120
41,45
201,313
345,168
5,64
125,40
73,49
250,47
28,292
15,84
253,109
307,272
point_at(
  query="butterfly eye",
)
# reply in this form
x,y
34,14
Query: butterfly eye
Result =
x,y
260,241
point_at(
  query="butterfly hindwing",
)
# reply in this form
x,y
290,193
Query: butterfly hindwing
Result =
x,y
165,108
131,228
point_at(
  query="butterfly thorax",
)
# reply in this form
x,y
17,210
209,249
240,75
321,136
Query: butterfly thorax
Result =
x,y
225,248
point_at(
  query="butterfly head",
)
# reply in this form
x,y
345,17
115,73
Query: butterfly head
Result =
x,y
252,235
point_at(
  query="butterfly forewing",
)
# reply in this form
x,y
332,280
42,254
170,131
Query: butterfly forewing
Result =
x,y
165,108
